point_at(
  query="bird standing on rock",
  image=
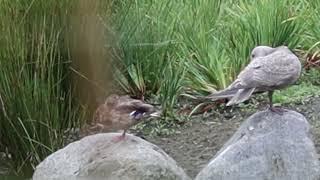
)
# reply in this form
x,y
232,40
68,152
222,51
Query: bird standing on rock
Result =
x,y
269,69
121,113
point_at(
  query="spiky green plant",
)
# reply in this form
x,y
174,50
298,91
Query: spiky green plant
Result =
x,y
209,71
171,86
265,22
35,95
313,24
206,62
144,30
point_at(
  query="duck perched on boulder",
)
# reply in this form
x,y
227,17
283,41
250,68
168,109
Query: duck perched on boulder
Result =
x,y
121,113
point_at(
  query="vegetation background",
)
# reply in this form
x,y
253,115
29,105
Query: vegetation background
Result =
x,y
60,59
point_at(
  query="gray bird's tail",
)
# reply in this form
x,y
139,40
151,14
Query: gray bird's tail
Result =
x,y
240,96
235,95
226,93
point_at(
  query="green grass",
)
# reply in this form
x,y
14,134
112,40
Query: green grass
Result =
x,y
312,23
202,47
296,93
37,105
307,86
213,37
265,22
146,49
145,39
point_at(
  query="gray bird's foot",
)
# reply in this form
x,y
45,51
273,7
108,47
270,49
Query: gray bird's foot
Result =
x,y
277,110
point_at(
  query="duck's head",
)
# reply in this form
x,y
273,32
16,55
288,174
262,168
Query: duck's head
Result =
x,y
112,100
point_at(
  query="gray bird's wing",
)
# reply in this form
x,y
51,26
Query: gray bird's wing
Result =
x,y
270,72
276,70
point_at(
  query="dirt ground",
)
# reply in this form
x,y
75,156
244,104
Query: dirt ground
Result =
x,y
194,144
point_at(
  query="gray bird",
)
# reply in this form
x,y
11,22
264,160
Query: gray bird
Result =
x,y
269,69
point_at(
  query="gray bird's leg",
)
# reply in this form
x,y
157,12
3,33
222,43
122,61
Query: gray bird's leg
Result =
x,y
270,93
277,110
124,134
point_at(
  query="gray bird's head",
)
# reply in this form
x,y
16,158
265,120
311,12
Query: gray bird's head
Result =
x,y
261,51
283,48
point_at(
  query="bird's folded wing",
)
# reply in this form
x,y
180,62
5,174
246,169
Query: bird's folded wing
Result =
x,y
261,74
268,71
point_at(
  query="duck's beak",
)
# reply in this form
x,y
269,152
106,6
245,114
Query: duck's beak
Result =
x,y
156,114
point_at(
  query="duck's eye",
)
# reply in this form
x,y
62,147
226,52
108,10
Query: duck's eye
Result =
x,y
137,113
252,55
134,113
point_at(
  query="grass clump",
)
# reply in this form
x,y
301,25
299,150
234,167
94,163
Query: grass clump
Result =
x,y
145,50
213,38
35,95
202,47
266,22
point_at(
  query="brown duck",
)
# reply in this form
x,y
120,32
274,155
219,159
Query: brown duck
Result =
x,y
121,113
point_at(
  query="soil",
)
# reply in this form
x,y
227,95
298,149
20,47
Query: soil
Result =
x,y
196,142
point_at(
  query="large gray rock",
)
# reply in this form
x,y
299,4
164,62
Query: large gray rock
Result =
x,y
98,157
267,146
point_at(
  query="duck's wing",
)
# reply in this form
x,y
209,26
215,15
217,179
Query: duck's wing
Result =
x,y
103,116
134,105
101,121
